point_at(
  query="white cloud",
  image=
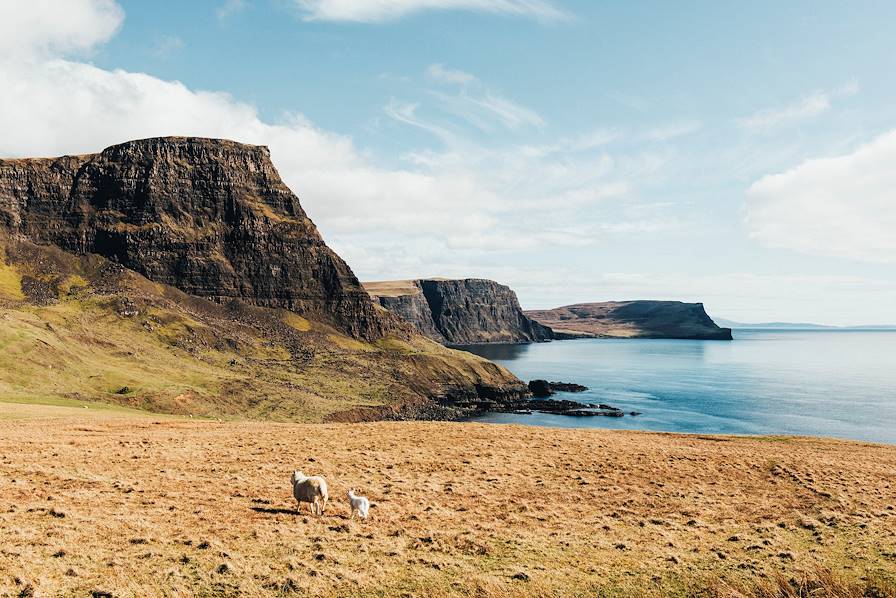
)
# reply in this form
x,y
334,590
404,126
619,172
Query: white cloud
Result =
x,y
373,11
805,108
454,198
41,27
843,206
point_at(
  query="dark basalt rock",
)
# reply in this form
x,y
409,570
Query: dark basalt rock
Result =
x,y
567,387
460,312
593,413
469,404
208,216
543,388
540,388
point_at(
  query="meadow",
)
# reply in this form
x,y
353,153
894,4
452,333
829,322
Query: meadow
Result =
x,y
127,503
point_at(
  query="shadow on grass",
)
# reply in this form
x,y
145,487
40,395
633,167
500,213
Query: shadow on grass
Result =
x,y
274,510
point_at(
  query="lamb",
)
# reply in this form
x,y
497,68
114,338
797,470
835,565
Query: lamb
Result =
x,y
360,505
312,490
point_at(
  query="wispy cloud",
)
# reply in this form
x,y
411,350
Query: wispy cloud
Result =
x,y
480,109
231,7
406,113
167,45
441,74
672,130
375,11
476,104
807,107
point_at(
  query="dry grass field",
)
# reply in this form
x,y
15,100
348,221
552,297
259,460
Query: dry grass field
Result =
x,y
114,502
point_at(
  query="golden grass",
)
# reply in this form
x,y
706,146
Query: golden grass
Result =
x,y
392,288
142,506
296,321
10,280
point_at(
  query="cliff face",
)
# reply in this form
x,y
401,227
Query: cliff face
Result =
x,y
210,217
463,311
632,319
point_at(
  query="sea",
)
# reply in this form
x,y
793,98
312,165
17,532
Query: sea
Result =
x,y
835,383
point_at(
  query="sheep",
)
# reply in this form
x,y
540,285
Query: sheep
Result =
x,y
360,505
312,490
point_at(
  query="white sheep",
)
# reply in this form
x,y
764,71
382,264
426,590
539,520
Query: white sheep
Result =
x,y
312,490
360,505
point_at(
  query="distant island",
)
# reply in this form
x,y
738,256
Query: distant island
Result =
x,y
632,319
799,326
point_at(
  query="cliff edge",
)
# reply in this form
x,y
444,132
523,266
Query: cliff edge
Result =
x,y
209,216
459,311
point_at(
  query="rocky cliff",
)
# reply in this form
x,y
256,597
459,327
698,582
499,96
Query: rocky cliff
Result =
x,y
460,311
632,319
208,216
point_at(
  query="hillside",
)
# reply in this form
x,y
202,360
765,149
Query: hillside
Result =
x,y
632,319
180,275
81,328
459,311
137,505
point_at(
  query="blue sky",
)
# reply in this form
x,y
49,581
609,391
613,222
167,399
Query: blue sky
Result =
x,y
577,151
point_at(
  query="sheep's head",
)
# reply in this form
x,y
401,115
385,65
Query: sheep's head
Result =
x,y
296,476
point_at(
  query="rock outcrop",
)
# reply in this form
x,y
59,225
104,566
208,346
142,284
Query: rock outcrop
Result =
x,y
208,216
632,319
460,311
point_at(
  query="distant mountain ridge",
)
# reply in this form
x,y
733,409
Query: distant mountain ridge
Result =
x,y
798,326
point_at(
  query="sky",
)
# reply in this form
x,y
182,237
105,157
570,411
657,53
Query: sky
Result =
x,y
740,155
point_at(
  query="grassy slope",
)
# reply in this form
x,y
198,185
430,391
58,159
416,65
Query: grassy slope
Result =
x,y
146,506
81,333
392,288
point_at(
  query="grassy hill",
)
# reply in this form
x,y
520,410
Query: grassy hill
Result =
x,y
76,329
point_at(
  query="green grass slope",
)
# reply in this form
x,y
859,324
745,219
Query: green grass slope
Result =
x,y
78,330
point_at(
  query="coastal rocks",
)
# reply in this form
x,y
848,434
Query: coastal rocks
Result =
x,y
540,388
632,319
208,216
543,388
567,387
461,403
461,311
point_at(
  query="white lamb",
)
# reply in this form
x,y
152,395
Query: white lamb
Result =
x,y
312,490
360,505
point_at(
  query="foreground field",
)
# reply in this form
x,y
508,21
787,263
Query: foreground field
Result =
x,y
131,504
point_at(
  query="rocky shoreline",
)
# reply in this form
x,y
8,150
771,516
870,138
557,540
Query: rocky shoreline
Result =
x,y
536,400
463,403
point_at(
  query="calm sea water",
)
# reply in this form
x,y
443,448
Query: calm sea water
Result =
x,y
824,383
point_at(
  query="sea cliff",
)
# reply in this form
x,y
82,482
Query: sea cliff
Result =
x,y
460,311
632,319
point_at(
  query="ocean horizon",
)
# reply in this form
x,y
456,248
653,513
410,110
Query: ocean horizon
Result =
x,y
838,383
